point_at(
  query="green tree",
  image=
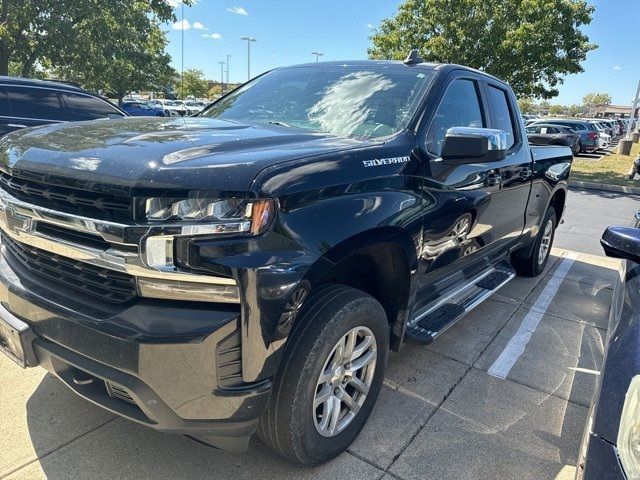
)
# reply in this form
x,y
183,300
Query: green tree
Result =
x,y
193,83
529,43
556,110
527,105
37,34
124,56
596,99
574,110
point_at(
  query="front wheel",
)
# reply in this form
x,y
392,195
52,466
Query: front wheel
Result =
x,y
534,264
330,376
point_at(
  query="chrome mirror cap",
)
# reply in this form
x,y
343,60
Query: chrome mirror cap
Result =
x,y
496,139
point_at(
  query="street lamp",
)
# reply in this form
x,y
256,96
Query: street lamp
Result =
x,y
221,78
317,54
228,56
249,40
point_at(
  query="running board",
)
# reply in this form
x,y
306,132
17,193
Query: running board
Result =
x,y
436,317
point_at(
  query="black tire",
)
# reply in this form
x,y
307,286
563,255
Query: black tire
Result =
x,y
531,265
288,426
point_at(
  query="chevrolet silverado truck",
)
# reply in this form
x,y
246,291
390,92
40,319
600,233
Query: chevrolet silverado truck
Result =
x,y
249,268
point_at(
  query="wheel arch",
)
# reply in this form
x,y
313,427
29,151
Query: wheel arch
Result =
x,y
381,262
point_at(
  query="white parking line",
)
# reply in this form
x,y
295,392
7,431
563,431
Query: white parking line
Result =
x,y
509,356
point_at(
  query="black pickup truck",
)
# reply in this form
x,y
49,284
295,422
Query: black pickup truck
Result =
x,y
249,268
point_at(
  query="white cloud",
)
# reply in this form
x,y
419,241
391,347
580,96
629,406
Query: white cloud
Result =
x,y
237,10
617,67
215,36
181,25
199,26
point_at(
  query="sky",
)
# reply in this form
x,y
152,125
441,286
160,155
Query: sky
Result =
x,y
288,31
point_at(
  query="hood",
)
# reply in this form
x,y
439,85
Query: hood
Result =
x,y
133,155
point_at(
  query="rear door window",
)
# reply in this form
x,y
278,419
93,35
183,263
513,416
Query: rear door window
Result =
x,y
34,103
85,107
501,113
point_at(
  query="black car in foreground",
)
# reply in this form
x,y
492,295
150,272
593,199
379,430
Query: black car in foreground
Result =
x,y
611,446
26,102
252,266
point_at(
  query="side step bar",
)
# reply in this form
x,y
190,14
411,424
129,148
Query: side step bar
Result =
x,y
436,317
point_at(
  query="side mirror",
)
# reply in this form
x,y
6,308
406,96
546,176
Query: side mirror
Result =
x,y
622,242
470,145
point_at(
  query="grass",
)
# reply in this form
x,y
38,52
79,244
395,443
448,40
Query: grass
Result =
x,y
612,169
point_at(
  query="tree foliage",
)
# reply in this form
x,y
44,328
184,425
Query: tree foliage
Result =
x,y
115,45
193,83
527,105
557,110
529,43
596,99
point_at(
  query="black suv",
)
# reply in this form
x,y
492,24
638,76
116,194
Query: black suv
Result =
x,y
26,102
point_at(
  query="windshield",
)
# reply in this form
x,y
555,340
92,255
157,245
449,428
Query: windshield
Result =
x,y
362,101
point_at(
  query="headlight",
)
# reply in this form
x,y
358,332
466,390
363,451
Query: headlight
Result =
x,y
211,215
629,431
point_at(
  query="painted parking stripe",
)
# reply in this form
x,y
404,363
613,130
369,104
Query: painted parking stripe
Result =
x,y
509,356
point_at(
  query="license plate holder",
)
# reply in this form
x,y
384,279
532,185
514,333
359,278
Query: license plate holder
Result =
x,y
16,339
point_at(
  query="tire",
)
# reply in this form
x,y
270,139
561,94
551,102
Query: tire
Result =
x,y
291,426
534,264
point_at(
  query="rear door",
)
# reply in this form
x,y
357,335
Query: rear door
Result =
x,y
28,106
516,170
81,107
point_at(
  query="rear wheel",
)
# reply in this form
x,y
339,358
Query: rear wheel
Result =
x,y
330,376
536,261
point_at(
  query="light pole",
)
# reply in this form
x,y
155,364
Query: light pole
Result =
x,y
317,54
182,53
228,56
249,40
221,78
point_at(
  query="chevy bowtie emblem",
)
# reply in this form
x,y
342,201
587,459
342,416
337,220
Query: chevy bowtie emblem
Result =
x,y
16,222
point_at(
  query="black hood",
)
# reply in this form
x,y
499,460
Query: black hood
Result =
x,y
133,155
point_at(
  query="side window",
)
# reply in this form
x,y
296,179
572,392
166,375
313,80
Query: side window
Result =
x,y
35,103
460,107
85,107
502,114
5,111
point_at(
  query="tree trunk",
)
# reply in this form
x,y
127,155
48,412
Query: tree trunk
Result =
x,y
120,97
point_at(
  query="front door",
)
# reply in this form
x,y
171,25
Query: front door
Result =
x,y
459,238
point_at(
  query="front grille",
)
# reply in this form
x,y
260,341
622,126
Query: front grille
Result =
x,y
108,285
70,200
116,391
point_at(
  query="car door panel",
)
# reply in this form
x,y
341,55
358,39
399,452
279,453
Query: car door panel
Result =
x,y
458,236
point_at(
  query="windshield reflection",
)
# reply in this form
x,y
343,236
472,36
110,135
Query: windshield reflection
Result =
x,y
346,101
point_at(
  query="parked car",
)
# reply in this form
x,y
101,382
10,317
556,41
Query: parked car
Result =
x,y
604,139
589,135
27,102
550,134
251,267
610,443
138,108
194,107
172,108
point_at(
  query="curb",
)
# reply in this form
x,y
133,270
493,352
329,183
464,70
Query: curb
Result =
x,y
605,187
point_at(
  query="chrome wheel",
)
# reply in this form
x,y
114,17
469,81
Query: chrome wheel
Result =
x,y
461,230
545,244
344,382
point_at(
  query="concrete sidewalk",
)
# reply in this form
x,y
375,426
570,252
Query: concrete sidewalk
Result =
x,y
439,416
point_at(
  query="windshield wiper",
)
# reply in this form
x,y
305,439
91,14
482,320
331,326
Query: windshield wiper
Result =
x,y
282,124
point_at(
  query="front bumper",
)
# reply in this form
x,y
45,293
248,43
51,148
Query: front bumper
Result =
x,y
157,363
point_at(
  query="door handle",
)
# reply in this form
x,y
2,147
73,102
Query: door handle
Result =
x,y
492,180
16,125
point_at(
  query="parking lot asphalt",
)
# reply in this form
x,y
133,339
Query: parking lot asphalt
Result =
x,y
440,415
